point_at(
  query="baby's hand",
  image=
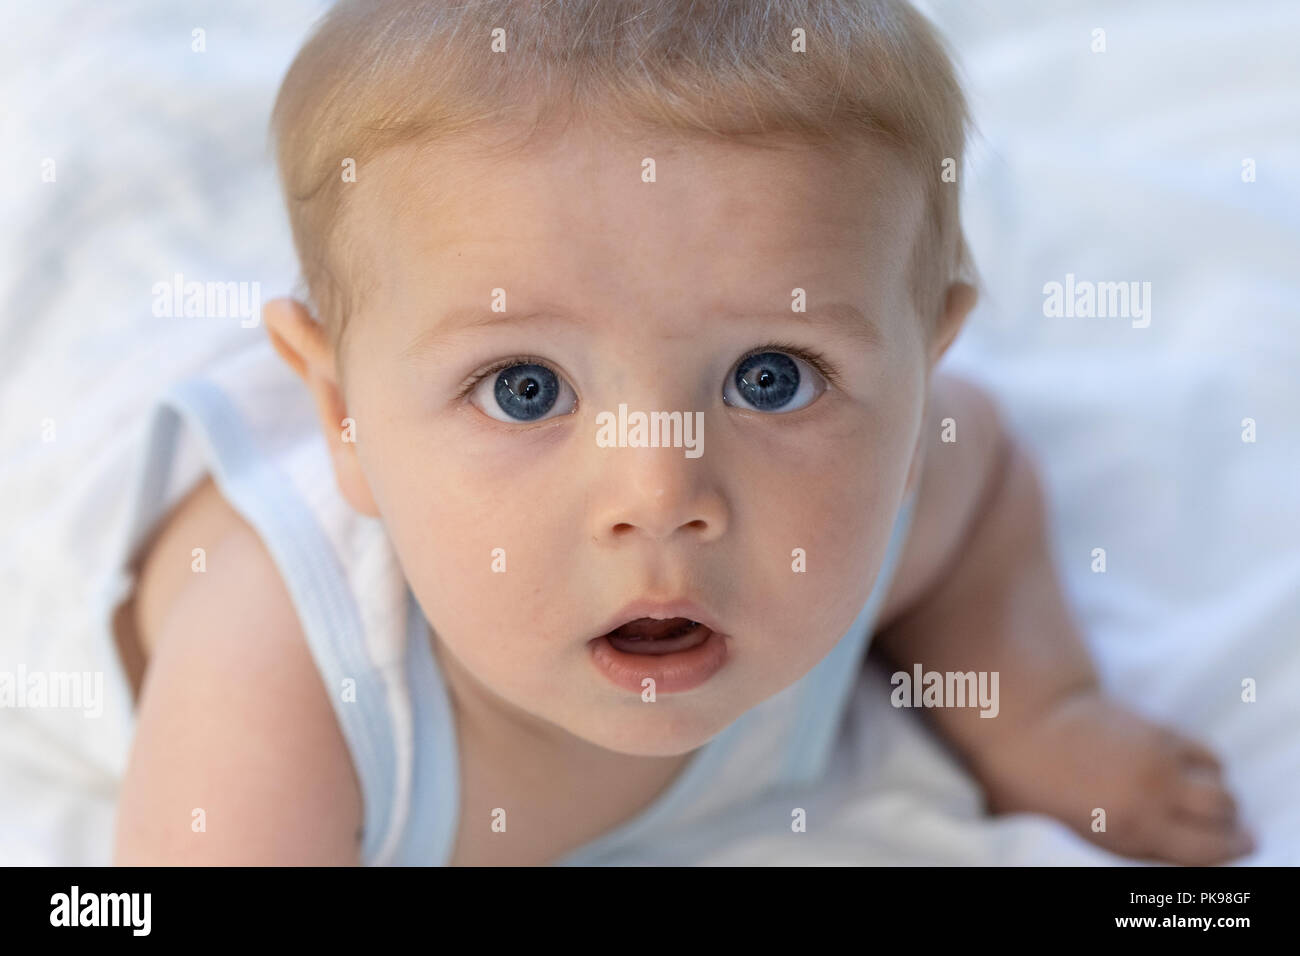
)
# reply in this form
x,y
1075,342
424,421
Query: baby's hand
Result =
x,y
1163,793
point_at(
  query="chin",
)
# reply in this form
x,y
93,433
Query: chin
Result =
x,y
657,734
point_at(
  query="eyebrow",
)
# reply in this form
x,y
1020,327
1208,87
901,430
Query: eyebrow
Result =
x,y
457,321
840,318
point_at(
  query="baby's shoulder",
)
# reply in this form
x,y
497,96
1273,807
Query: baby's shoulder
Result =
x,y
176,555
233,707
961,451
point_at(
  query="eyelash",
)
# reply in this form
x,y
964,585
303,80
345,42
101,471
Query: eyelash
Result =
x,y
814,358
468,385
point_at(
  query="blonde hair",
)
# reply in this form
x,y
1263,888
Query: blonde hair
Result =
x,y
379,73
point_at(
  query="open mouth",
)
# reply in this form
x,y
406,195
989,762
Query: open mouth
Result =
x,y
648,635
671,654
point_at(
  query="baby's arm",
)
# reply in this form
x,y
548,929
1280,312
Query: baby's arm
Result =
x,y
978,592
233,719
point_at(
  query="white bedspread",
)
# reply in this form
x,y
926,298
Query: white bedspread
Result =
x,y
1124,165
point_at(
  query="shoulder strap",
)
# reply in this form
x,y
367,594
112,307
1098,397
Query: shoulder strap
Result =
x,y
376,724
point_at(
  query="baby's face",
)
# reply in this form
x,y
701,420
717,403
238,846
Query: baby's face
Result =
x,y
523,525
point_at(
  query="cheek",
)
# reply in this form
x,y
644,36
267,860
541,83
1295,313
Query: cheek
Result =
x,y
836,520
840,514
477,551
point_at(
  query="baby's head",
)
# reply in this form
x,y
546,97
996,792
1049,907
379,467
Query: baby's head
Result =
x,y
523,223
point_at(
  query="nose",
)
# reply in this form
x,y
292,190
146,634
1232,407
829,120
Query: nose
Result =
x,y
656,494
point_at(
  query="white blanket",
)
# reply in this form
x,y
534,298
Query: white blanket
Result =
x,y
1122,165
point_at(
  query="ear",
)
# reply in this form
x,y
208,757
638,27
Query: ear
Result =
x,y
959,300
303,344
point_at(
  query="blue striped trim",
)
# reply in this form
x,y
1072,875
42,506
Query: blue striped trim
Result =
x,y
434,820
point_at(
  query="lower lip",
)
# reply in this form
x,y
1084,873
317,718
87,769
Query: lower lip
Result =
x,y
672,673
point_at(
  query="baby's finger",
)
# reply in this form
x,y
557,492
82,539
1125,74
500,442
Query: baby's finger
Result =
x,y
1201,794
1198,844
1195,752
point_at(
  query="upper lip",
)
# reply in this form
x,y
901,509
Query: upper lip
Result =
x,y
661,610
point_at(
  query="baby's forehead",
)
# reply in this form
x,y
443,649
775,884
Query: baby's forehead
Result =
x,y
687,209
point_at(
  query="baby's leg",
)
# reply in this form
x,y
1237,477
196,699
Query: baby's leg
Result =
x,y
1058,745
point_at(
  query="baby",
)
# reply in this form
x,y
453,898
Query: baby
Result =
x,y
537,238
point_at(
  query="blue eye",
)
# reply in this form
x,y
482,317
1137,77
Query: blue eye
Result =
x,y
773,382
523,392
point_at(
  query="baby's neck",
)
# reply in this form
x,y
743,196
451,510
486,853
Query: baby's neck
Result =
x,y
552,791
